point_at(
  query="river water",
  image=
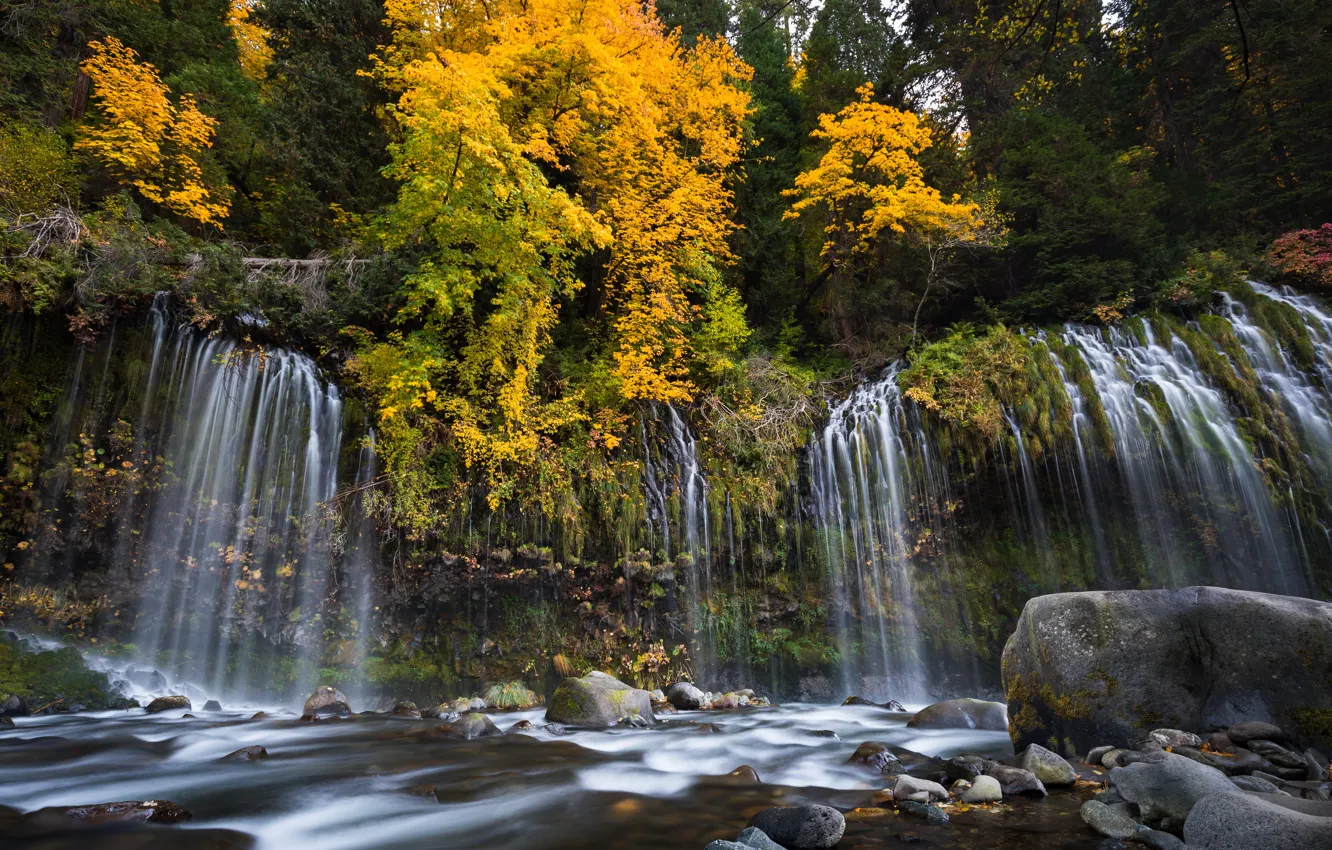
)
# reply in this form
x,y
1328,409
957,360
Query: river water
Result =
x,y
343,784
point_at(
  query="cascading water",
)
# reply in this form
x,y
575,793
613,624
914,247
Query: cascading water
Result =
x,y
675,471
873,470
1158,481
227,537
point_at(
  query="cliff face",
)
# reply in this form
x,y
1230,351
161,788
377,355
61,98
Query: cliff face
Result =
x,y
219,506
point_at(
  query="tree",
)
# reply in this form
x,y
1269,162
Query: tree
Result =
x,y
869,186
147,141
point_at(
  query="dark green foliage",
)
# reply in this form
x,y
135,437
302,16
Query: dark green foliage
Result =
x,y
58,676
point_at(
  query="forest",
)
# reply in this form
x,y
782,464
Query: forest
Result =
x,y
676,393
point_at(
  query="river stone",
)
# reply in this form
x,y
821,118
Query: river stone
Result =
x,y
964,767
1158,840
962,714
253,753
1254,730
14,706
932,814
1256,784
1173,738
597,699
1015,780
756,839
128,811
1240,821
919,790
801,827
1095,754
1085,668
408,710
984,789
168,703
469,727
1108,821
877,756
326,700
1275,753
1315,764
6,722
1166,789
212,705
1048,767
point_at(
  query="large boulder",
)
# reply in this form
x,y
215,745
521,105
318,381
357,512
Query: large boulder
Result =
x,y
686,696
962,714
801,827
168,703
1167,787
1098,667
326,701
1048,767
598,699
1243,821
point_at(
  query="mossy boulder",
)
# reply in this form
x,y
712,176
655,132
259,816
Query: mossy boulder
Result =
x,y
33,680
168,703
326,701
597,700
1108,667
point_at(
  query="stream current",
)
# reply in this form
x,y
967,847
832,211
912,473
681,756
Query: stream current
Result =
x,y
346,784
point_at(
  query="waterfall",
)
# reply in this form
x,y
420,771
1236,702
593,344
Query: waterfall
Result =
x,y
1156,483
873,470
674,471
228,540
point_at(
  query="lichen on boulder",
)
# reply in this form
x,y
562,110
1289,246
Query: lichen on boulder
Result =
x,y
598,700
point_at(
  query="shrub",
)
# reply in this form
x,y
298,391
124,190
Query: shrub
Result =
x,y
36,171
1305,256
510,695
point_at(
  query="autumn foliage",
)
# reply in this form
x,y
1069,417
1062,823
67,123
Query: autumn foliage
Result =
x,y
1305,255
147,141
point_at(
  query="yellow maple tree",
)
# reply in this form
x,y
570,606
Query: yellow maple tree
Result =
x,y
251,38
548,147
147,141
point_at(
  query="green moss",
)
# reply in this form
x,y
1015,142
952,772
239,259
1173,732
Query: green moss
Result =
x,y
1314,724
58,676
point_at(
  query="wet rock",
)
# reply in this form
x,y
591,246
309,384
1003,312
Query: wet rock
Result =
x,y
259,715
856,701
327,701
636,721
128,811
1238,761
932,814
477,704
1235,821
1048,767
908,838
6,722
725,845
187,716
1109,796
1254,730
1108,821
425,789
984,789
597,700
746,774
14,706
1096,753
469,727
1085,668
958,788
709,728
1015,780
1275,753
801,827
168,703
685,696
1167,789
1220,742
731,700
558,729
827,733
212,705
877,756
1111,759
920,790
962,714
756,839
521,726
1256,784
253,753
406,709
1158,840
1175,738
964,767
